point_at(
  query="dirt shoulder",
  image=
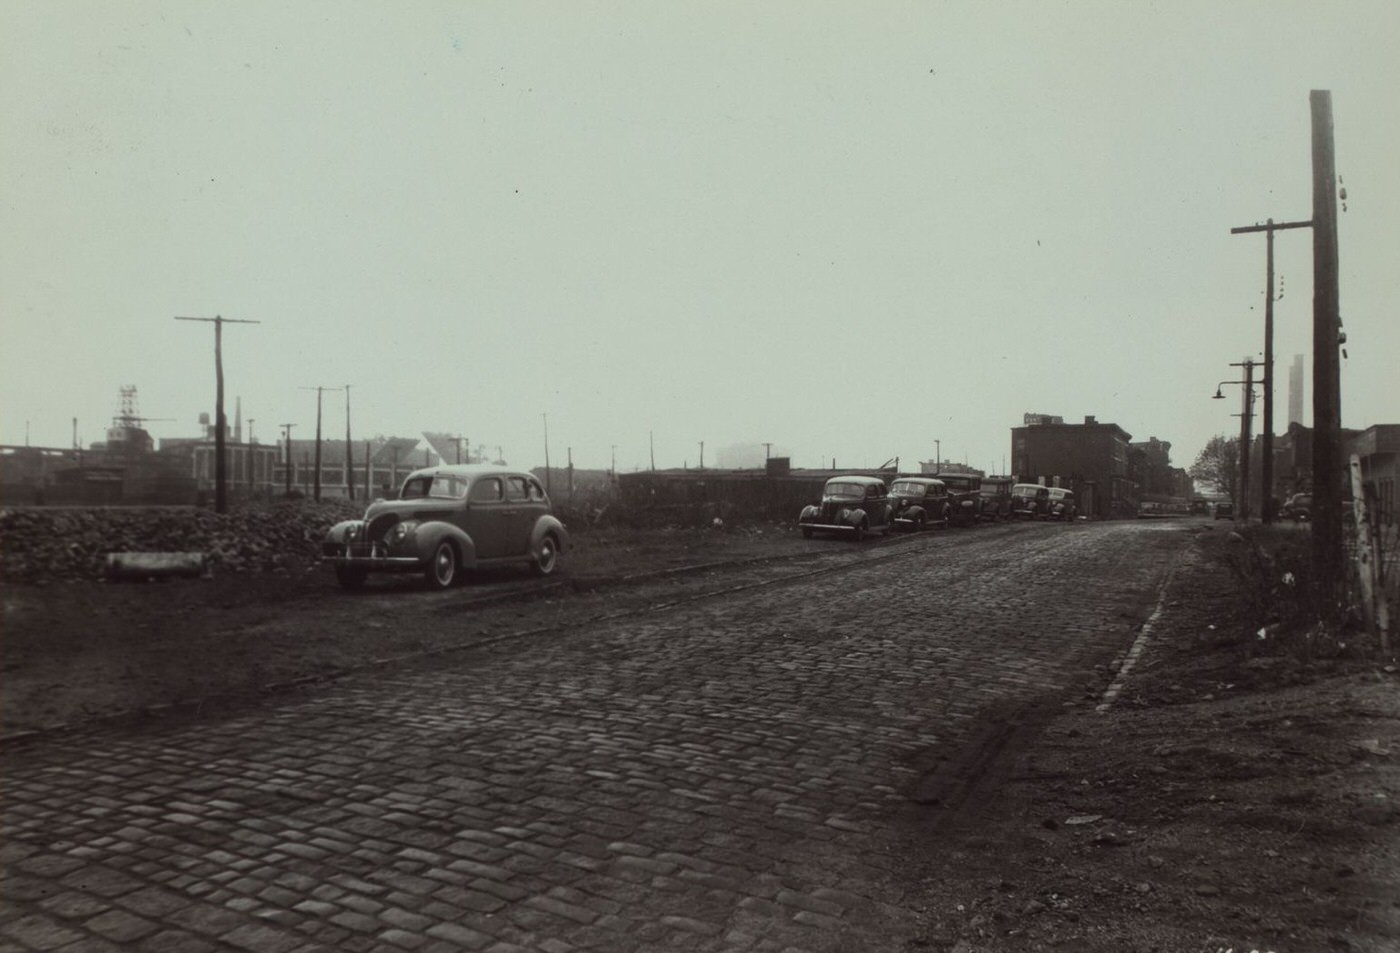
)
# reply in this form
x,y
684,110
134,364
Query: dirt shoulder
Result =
x,y
1232,798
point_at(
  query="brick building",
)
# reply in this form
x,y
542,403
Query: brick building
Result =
x,y
1089,458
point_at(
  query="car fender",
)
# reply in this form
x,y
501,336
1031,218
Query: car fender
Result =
x,y
915,513
547,525
810,511
431,532
338,533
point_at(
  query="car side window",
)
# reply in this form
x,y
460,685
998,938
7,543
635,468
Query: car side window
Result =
x,y
536,491
517,488
487,490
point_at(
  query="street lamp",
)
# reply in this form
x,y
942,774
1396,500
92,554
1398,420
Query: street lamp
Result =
x,y
1245,415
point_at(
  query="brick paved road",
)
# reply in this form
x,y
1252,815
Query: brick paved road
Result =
x,y
725,774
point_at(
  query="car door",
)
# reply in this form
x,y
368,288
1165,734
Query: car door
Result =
x,y
488,517
521,514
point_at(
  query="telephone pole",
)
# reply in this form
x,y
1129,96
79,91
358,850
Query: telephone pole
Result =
x,y
316,491
1267,477
287,430
220,465
1327,338
349,451
547,488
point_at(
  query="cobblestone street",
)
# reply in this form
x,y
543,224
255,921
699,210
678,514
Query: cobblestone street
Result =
x,y
729,773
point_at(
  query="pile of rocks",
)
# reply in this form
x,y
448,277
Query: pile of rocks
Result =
x,y
41,545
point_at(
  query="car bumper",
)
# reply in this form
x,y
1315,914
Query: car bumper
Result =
x,y
831,527
374,563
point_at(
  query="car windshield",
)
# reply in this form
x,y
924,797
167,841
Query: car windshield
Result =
x,y
434,488
957,483
1027,489
846,491
910,488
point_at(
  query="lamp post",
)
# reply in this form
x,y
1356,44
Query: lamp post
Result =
x,y
1246,414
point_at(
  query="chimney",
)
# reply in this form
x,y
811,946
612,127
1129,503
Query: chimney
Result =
x,y
1089,419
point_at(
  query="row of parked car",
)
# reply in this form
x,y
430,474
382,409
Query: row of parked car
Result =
x,y
854,505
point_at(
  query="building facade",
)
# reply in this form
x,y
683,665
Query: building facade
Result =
x,y
1089,458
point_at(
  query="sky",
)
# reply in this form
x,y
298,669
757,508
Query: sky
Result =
x,y
853,231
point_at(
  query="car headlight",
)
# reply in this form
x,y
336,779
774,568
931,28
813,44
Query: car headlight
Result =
x,y
400,531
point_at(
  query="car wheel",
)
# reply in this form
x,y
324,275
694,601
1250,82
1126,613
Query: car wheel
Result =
x,y
547,557
806,532
441,571
350,577
919,524
860,531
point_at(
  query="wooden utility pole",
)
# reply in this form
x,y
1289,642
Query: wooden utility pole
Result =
x,y
547,489
220,464
1267,477
316,492
1246,415
651,442
1326,462
287,429
349,451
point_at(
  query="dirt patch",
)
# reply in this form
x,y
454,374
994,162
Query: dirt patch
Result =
x,y
1230,800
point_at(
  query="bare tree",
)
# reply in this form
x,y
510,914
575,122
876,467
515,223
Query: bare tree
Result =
x,y
1219,463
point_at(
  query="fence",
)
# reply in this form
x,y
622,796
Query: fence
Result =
x,y
1371,540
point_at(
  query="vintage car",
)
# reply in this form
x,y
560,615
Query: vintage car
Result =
x,y
1297,507
996,498
1030,501
1225,510
447,519
964,496
916,502
850,504
1062,504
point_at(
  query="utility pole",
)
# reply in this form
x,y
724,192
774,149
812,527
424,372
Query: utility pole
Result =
x,y
571,476
1246,412
349,451
614,459
651,442
937,452
1268,442
287,431
220,465
316,493
767,453
1327,338
702,454
546,453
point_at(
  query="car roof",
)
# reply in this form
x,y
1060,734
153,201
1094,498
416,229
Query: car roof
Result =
x,y
857,478
470,471
917,479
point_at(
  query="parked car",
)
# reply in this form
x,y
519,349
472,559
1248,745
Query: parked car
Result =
x,y
1225,510
1030,501
996,498
850,504
964,497
447,519
1297,507
916,502
1062,504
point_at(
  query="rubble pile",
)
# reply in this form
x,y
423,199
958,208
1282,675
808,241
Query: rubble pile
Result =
x,y
43,545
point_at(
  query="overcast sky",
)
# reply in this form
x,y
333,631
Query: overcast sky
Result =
x,y
850,230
